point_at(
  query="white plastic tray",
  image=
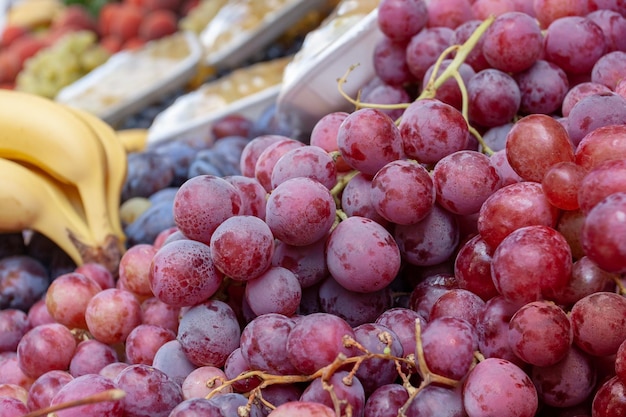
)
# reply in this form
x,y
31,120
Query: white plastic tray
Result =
x,y
171,125
248,43
310,91
121,86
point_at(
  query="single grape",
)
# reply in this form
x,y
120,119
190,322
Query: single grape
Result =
x,y
277,290
402,192
252,150
134,268
253,195
506,173
172,360
598,323
149,392
401,19
494,98
386,401
432,129
208,333
402,322
269,157
112,314
567,382
428,290
307,161
580,91
361,255
235,365
300,211
513,42
90,357
601,145
201,381
386,94
308,263
436,400
498,387
609,69
561,185
196,407
45,348
23,280
472,268
425,47
449,344
450,92
609,400
354,307
242,247
351,395
13,326
368,139
476,58
324,134
431,241
230,404
98,273
183,273
356,199
302,409
464,180
543,87
156,312
202,203
45,387
316,340
595,111
144,341
459,303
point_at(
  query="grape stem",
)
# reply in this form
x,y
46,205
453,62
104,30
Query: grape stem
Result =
x,y
108,395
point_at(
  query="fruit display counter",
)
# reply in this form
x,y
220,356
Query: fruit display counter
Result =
x,y
382,208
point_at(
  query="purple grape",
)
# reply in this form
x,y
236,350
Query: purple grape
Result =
x,y
375,372
149,391
201,381
277,290
23,280
13,326
45,387
45,348
307,161
144,341
351,396
84,386
90,357
449,344
386,401
308,263
208,333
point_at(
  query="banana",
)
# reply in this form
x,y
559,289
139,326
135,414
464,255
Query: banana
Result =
x,y
29,200
116,165
43,133
134,140
34,13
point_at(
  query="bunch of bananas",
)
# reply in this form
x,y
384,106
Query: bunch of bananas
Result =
x,y
63,170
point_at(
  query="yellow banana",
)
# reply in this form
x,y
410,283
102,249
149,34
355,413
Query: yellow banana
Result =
x,y
34,13
43,133
134,140
116,165
29,200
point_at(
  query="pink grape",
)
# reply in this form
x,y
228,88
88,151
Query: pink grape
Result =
x,y
543,349
98,273
431,241
308,263
388,94
603,232
449,344
476,58
149,392
155,311
316,340
45,348
598,323
201,381
13,326
543,87
535,143
368,139
464,180
401,19
401,321
242,247
389,60
268,330
436,400
351,396
600,145
609,69
613,25
432,129
324,135
354,307
45,387
498,387
609,399
68,296
494,98
450,92
580,91
595,111
459,303
84,386
356,199
517,277
513,42
112,314
402,192
307,161
183,273
512,207
277,290
172,360
134,268
90,357
561,185
574,43
202,203
144,342
444,13
253,195
252,150
361,255
472,268
567,382
269,157
425,47
302,409
386,401
235,365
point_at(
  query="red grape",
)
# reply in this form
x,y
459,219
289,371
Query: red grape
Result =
x,y
401,19
112,314
45,348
